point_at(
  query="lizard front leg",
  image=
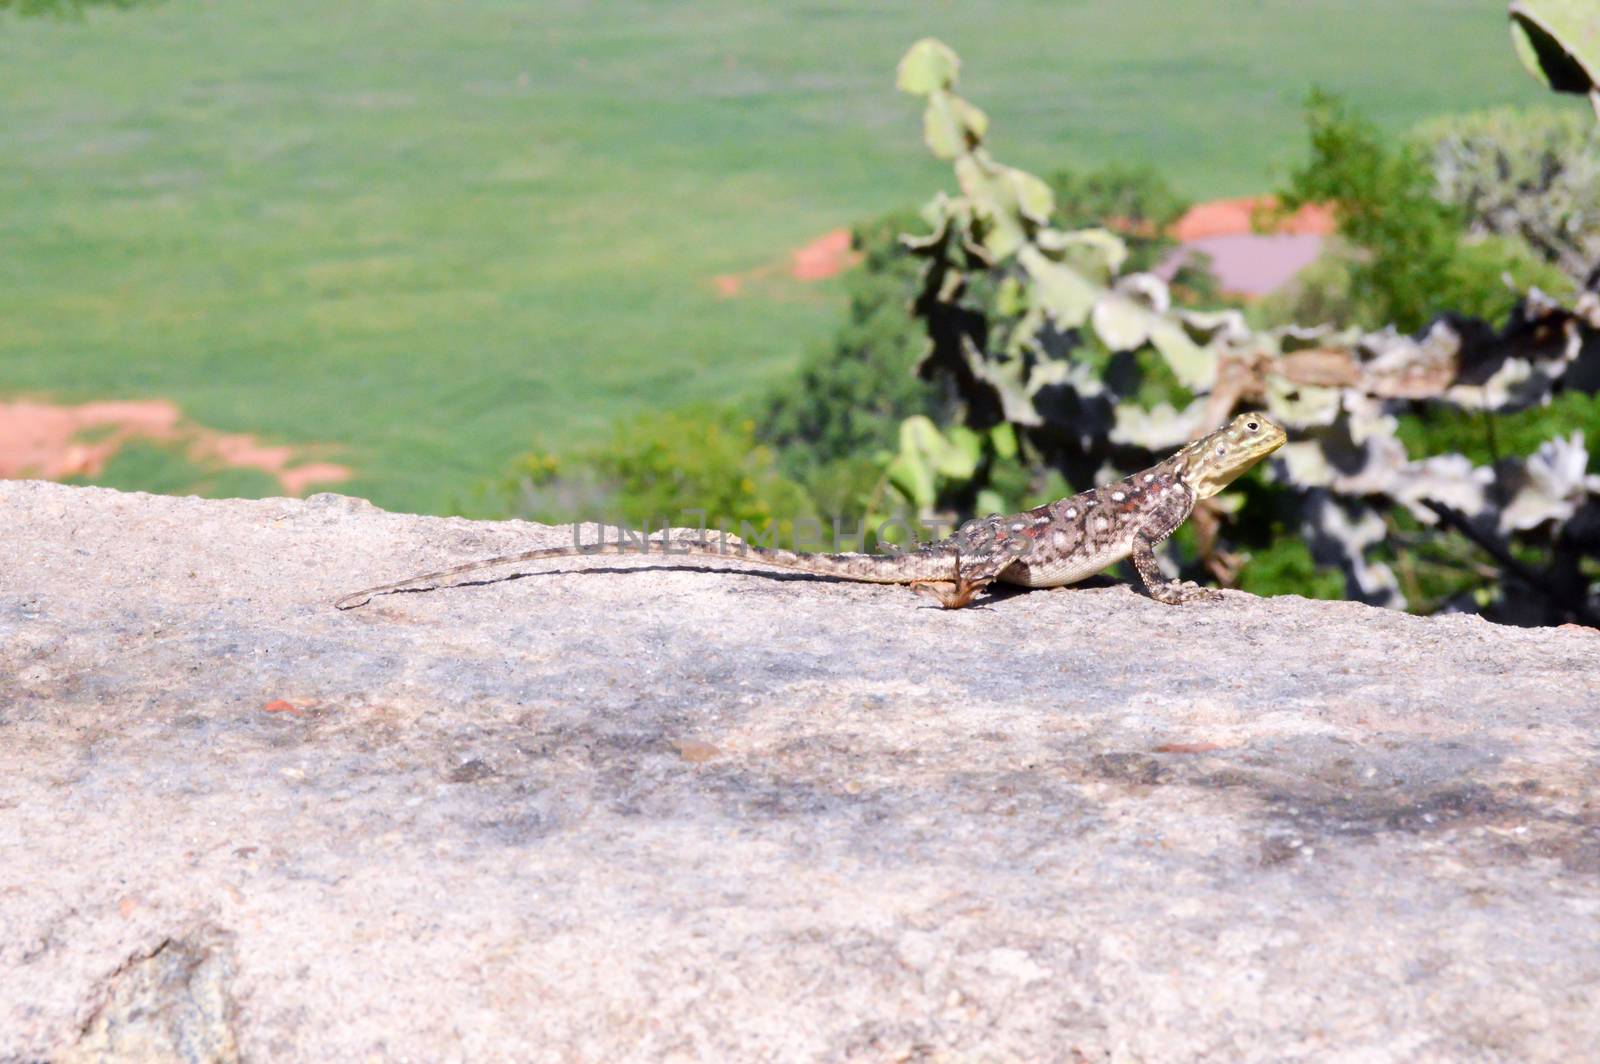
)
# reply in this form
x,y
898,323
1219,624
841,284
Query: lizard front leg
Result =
x,y
1175,508
1172,592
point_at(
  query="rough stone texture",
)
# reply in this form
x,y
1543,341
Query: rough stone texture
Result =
x,y
631,814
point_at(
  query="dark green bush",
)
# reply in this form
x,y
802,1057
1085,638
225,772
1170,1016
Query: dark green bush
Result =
x,y
848,399
659,467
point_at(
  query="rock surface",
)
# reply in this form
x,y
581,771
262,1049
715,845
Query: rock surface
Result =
x,y
631,814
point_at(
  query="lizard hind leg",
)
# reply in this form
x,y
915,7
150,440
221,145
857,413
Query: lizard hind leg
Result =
x,y
951,594
957,592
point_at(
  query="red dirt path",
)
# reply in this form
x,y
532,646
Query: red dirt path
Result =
x,y
39,439
827,256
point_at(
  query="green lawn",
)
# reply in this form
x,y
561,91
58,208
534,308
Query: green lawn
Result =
x,y
436,234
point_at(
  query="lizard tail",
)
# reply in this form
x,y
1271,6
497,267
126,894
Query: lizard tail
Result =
x,y
865,568
428,580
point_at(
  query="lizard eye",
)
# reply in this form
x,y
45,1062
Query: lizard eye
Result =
x,y
1251,425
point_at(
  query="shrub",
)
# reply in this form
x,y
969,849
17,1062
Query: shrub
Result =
x,y
1383,199
1406,255
848,399
1532,174
658,467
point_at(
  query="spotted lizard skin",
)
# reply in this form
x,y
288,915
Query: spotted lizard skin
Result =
x,y
1049,546
1071,539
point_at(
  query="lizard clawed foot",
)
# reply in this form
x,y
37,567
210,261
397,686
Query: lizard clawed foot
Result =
x,y
951,594
1181,594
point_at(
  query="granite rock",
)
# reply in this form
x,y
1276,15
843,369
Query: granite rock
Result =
x,y
639,809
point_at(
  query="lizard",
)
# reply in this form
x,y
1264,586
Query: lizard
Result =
x,y
1053,545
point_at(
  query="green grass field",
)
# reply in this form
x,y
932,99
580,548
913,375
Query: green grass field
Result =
x,y
436,234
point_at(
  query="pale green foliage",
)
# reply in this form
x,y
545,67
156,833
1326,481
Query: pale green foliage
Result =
x,y
930,69
927,66
1519,172
928,455
930,462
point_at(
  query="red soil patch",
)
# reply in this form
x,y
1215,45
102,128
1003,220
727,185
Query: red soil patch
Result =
x,y
827,256
43,440
1236,217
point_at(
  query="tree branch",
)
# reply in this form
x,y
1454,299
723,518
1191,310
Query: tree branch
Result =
x,y
1572,600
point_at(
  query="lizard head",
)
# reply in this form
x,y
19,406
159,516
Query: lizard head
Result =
x,y
1212,462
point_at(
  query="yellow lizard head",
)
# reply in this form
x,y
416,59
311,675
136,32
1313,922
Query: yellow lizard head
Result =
x,y
1212,462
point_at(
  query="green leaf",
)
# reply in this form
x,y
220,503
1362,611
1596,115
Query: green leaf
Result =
x,y
959,457
1010,300
1160,428
975,121
912,478
1559,42
928,65
1193,365
994,201
1011,381
1097,251
1121,324
1301,405
951,126
990,501
942,130
926,454
1060,289
1004,439
1033,197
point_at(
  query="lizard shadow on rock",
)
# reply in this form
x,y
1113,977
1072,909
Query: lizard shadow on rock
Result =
x,y
994,593
998,592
